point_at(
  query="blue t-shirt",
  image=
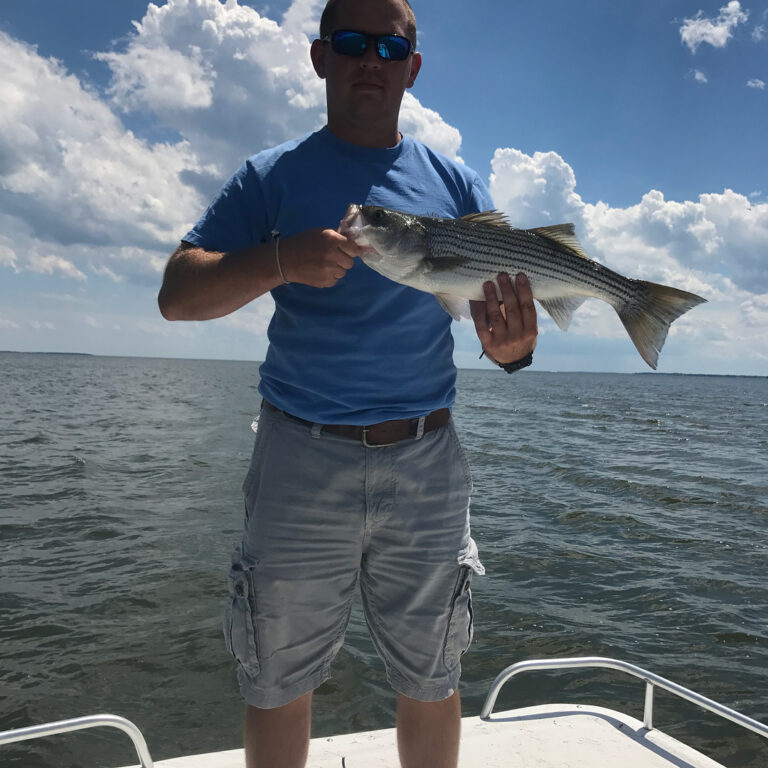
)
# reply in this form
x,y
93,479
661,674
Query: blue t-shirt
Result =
x,y
367,349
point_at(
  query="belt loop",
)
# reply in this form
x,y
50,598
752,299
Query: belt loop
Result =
x,y
316,429
420,428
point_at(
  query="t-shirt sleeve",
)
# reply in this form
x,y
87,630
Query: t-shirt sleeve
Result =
x,y
235,219
480,197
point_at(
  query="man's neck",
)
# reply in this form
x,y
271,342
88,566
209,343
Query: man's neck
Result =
x,y
377,138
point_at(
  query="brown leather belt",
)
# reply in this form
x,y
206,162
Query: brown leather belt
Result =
x,y
381,434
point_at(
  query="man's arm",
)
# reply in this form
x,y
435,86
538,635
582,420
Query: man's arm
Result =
x,y
200,284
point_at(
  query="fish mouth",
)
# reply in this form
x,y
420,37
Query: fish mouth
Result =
x,y
353,226
352,223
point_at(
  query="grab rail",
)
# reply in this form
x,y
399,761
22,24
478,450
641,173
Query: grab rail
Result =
x,y
77,724
651,682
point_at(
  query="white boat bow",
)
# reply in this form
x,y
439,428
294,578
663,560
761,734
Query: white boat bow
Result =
x,y
545,736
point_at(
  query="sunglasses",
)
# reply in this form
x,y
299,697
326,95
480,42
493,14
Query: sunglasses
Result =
x,y
348,42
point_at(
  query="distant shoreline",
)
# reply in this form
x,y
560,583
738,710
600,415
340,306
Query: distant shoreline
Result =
x,y
479,370
78,354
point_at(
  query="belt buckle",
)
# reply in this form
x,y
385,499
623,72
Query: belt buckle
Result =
x,y
364,439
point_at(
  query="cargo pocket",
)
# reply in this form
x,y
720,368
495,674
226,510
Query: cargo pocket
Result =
x,y
460,628
239,624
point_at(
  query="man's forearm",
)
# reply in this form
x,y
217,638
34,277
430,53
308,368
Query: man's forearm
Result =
x,y
201,285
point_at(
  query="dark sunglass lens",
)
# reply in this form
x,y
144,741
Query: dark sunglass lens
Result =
x,y
349,43
393,47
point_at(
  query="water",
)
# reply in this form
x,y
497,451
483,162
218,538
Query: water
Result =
x,y
616,515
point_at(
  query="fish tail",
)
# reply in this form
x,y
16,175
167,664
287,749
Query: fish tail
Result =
x,y
648,315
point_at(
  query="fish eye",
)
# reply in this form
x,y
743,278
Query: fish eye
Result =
x,y
378,215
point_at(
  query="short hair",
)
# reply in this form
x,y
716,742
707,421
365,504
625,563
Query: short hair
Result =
x,y
328,19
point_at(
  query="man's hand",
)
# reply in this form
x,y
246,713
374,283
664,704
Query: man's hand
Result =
x,y
507,329
317,257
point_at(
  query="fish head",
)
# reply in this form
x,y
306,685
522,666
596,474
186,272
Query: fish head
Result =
x,y
396,241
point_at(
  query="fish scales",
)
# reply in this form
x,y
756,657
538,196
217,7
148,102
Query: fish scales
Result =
x,y
518,250
499,246
453,258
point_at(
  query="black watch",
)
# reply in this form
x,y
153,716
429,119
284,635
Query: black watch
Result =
x,y
523,362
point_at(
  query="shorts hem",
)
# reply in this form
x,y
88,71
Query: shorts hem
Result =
x,y
277,697
428,692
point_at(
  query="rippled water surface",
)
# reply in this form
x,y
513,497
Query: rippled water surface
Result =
x,y
616,515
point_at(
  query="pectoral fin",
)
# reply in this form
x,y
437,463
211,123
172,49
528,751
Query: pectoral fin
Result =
x,y
456,307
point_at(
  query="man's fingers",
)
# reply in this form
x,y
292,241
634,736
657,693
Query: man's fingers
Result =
x,y
527,307
478,310
492,304
511,307
347,245
344,261
346,250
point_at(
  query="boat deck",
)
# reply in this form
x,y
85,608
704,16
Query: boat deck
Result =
x,y
548,736
544,736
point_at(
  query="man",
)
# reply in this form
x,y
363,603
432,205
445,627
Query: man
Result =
x,y
330,502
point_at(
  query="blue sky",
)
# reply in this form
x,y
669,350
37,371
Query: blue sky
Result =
x,y
643,123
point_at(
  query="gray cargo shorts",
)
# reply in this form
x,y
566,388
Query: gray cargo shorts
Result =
x,y
324,513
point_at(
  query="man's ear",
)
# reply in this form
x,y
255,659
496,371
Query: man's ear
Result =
x,y
415,67
317,53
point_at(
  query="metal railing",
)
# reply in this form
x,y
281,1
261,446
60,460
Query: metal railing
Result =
x,y
78,724
651,682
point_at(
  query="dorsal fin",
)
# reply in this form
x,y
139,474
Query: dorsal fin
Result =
x,y
562,234
493,218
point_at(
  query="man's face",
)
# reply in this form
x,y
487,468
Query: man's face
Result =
x,y
366,90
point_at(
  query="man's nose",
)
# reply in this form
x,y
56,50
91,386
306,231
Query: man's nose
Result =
x,y
370,57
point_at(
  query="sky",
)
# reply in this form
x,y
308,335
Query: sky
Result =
x,y
643,123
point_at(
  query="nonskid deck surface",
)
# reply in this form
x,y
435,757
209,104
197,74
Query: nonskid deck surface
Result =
x,y
548,736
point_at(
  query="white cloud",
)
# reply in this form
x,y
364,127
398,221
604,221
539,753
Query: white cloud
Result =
x,y
245,82
253,318
304,16
240,82
716,32
45,325
723,233
81,194
186,83
699,76
50,263
534,190
713,246
105,271
758,33
8,325
426,125
70,173
756,83
7,257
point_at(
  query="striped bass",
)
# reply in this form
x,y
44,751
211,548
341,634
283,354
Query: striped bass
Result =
x,y
452,258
